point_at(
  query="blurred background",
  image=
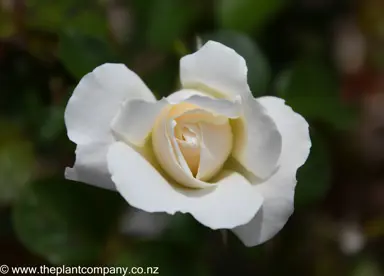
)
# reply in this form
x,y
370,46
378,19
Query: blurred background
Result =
x,y
325,57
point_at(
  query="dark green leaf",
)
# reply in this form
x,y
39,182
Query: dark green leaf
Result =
x,y
64,221
165,81
168,21
181,224
308,78
86,17
52,126
16,162
81,53
247,15
366,267
171,259
311,89
315,175
7,27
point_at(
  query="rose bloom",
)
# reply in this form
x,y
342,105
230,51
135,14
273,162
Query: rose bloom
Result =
x,y
209,149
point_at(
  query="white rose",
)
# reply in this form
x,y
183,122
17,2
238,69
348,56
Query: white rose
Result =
x,y
209,149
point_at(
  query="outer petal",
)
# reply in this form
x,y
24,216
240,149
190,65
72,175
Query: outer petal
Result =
x,y
217,69
231,203
278,191
258,141
135,120
91,166
97,99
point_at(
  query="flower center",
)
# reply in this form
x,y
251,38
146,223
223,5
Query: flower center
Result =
x,y
191,143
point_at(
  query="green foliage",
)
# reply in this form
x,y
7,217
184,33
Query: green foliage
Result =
x,y
168,21
53,125
6,28
313,178
164,82
81,53
59,15
366,267
312,89
247,15
65,222
171,259
16,162
258,67
181,224
82,29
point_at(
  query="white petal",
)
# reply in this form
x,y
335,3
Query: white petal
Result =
x,y
230,109
182,95
278,191
96,100
91,166
216,146
232,202
197,115
257,139
215,69
135,120
139,182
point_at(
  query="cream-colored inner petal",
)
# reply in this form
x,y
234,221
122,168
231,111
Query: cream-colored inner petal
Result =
x,y
200,142
216,146
189,144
